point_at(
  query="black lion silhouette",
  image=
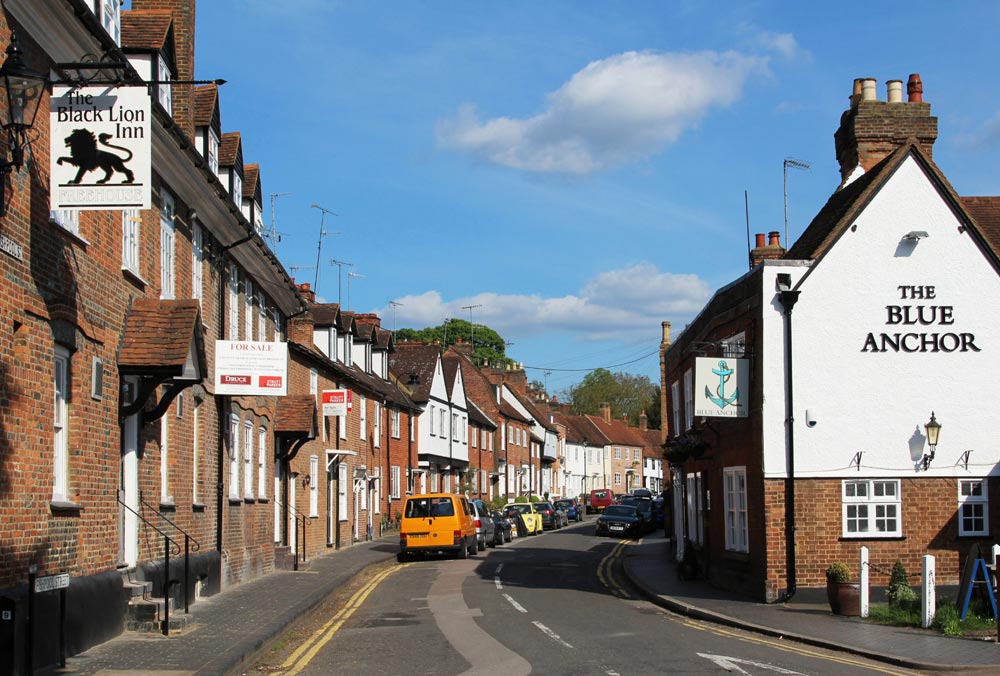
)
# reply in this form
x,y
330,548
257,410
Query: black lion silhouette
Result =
x,y
85,155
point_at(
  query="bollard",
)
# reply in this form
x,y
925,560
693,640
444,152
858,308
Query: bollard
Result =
x,y
865,590
927,599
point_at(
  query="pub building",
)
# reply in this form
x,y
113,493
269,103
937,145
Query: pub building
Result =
x,y
803,403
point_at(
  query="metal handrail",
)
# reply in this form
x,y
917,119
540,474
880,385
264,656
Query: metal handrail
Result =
x,y
298,515
188,539
167,541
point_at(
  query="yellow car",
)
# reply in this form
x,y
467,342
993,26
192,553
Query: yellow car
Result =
x,y
528,514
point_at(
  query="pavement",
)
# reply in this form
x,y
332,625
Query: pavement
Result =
x,y
231,629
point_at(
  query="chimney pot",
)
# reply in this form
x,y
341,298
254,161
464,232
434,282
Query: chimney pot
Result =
x,y
894,89
759,237
856,92
868,92
915,89
774,238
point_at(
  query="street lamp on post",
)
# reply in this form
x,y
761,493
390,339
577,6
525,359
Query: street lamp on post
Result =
x,y
23,89
933,429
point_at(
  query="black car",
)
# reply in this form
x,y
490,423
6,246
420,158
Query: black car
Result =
x,y
502,528
552,516
644,507
620,520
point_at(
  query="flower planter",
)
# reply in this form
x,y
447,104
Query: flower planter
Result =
x,y
844,597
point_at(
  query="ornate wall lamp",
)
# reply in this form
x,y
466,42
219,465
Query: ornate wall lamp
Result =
x,y
933,428
23,89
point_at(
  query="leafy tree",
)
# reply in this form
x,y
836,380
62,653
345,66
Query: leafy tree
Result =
x,y
628,395
489,348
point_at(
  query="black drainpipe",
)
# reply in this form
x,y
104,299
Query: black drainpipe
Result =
x,y
788,299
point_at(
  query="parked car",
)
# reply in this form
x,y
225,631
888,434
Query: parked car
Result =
x,y
437,522
619,520
601,498
574,512
485,529
642,493
644,507
502,528
528,515
552,517
657,513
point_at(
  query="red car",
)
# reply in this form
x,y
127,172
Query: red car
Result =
x,y
601,498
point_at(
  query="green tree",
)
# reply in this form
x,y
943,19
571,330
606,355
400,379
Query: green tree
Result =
x,y
627,394
489,348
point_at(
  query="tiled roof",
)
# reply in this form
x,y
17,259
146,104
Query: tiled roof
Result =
x,y
477,417
296,415
592,434
206,105
986,212
512,413
145,29
347,322
617,431
229,149
160,336
384,339
415,359
251,175
365,331
324,314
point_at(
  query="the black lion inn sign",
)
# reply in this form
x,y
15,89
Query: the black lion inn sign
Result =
x,y
101,150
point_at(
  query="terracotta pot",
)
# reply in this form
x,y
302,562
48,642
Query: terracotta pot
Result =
x,y
844,597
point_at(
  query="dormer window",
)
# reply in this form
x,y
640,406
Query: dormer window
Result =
x,y
237,191
213,151
348,344
164,93
111,19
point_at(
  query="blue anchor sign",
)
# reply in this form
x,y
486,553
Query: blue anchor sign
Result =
x,y
725,402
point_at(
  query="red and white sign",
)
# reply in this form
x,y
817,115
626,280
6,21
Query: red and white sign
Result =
x,y
336,402
244,367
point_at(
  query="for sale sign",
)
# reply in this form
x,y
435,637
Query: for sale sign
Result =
x,y
335,402
244,367
100,147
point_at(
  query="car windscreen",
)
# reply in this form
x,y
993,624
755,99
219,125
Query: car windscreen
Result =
x,y
619,510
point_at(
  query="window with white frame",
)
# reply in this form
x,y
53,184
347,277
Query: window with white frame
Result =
x,y
167,236
734,484
377,490
131,222
363,406
734,346
111,19
454,427
475,438
675,405
973,507
313,485
313,382
261,316
262,462
394,478
377,425
248,313
432,410
197,261
234,299
342,491
67,219
618,453
871,508
213,152
618,478
279,325
688,399
248,459
237,194
395,423
165,94
234,457
695,515
60,424
465,429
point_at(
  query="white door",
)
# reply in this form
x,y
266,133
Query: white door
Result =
x,y
128,522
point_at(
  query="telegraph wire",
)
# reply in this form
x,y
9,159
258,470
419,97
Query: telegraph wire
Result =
x,y
610,366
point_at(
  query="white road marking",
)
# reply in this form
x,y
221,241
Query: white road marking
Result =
x,y
612,673
732,664
499,568
514,603
551,634
496,581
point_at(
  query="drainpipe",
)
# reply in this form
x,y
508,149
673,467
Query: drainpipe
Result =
x,y
788,298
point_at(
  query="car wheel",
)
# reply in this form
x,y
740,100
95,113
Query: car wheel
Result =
x,y
474,549
481,544
463,551
402,557
507,537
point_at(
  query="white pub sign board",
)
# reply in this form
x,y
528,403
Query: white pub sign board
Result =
x,y
721,387
100,148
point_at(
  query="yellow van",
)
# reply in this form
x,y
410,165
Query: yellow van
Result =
x,y
437,522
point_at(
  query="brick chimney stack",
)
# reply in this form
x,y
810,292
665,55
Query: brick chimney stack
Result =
x,y
871,129
605,409
307,293
769,251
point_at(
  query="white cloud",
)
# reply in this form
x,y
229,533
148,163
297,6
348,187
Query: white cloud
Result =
x,y
613,112
783,44
608,306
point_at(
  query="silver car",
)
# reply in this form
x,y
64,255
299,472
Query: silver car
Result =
x,y
485,528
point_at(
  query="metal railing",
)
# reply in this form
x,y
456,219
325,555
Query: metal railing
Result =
x,y
188,540
304,520
167,542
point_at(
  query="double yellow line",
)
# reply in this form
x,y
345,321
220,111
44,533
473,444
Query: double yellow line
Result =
x,y
605,573
304,654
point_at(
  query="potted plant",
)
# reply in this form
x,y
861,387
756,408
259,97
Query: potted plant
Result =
x,y
843,594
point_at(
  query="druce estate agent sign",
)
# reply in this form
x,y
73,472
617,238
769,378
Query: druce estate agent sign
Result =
x,y
251,368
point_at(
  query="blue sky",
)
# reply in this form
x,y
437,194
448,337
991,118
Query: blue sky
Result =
x,y
576,168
